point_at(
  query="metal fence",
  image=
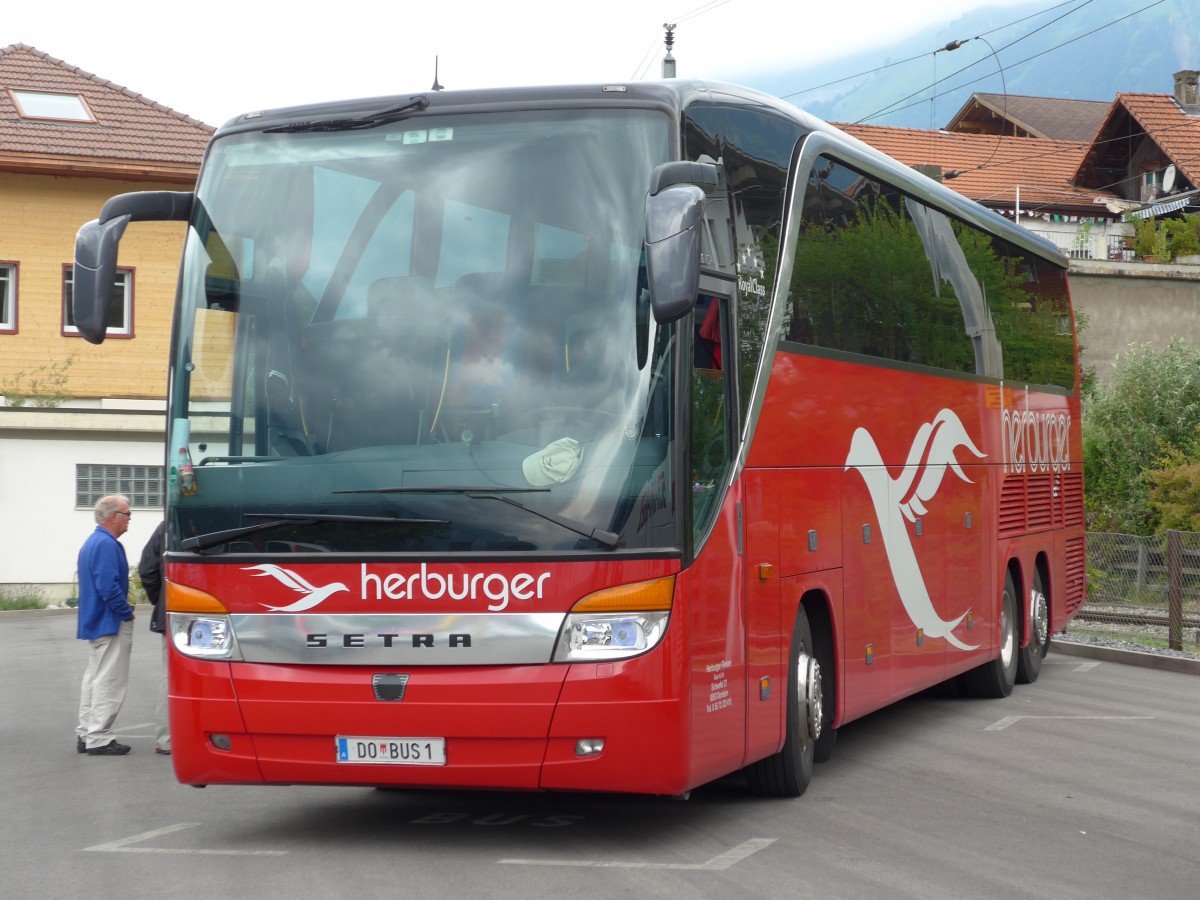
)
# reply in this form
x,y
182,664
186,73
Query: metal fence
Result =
x,y
1143,590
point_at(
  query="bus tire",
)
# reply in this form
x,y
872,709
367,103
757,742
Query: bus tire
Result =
x,y
1029,658
788,772
995,678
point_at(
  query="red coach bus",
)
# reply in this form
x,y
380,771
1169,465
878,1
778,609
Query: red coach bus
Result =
x,y
593,438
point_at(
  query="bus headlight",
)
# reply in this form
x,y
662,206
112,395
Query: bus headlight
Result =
x,y
203,637
616,623
199,624
591,637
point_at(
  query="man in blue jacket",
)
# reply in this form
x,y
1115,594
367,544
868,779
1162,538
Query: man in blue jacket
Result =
x,y
106,623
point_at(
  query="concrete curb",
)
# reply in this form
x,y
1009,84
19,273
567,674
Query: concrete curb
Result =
x,y
1161,662
37,613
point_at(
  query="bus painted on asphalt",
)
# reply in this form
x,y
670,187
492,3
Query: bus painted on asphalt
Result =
x,y
611,438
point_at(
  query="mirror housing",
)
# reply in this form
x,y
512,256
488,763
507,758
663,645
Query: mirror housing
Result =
x,y
96,247
674,213
95,271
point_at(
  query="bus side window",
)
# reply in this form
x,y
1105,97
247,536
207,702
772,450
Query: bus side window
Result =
x,y
708,337
710,409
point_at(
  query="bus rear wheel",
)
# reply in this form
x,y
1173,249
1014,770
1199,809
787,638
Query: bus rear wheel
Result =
x,y
1029,659
995,679
788,772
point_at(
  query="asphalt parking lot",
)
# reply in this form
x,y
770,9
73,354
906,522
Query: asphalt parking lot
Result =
x,y
1082,785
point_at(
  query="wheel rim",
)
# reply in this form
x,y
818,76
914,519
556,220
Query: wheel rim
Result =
x,y
1039,618
1007,635
812,700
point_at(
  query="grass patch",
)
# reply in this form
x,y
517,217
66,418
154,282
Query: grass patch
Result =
x,y
21,596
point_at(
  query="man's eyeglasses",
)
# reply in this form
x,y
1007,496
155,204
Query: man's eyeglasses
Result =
x,y
119,512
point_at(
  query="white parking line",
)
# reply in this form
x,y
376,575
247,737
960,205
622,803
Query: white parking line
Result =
x,y
123,845
1012,720
1075,666
722,861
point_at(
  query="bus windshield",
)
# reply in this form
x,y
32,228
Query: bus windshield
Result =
x,y
428,336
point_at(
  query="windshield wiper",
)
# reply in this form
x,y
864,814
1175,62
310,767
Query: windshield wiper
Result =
x,y
604,538
370,120
279,520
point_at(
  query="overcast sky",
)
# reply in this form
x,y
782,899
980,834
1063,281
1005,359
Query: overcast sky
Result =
x,y
217,58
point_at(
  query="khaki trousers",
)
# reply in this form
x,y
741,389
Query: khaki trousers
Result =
x,y
105,680
162,727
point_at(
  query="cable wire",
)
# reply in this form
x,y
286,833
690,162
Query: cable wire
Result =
x,y
921,55
1014,65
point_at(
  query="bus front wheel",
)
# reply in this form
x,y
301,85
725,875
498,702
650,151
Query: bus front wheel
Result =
x,y
788,772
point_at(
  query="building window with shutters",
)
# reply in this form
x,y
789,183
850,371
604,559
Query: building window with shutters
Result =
x,y
143,485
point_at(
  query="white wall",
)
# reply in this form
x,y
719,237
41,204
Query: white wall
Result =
x,y
40,528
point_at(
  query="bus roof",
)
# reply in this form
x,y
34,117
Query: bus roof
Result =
x,y
671,95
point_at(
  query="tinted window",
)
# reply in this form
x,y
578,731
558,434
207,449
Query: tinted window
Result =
x,y
755,149
880,274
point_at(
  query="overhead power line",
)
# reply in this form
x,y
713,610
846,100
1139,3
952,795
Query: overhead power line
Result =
x,y
923,55
954,45
1018,63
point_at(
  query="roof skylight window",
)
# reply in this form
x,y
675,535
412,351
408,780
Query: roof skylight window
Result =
x,y
46,105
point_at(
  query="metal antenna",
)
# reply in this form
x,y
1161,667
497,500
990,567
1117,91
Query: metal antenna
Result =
x,y
668,63
436,86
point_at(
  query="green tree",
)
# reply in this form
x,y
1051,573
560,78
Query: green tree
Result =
x,y
1174,491
1131,424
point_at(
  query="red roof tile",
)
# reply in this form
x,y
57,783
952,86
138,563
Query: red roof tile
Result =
x,y
129,128
1176,133
992,167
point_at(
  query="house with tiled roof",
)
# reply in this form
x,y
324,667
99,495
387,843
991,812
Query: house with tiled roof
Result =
x,y
1147,149
1020,116
79,420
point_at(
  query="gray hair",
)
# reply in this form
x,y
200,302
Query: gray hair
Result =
x,y
106,506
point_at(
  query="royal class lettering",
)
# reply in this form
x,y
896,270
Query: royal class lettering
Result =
x,y
428,584
324,640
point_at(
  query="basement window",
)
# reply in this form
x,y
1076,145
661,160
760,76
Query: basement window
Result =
x,y
46,105
141,485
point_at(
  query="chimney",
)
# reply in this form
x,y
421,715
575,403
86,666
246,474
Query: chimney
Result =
x,y
1186,92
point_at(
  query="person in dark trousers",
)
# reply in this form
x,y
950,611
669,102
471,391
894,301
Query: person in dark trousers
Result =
x,y
106,623
151,573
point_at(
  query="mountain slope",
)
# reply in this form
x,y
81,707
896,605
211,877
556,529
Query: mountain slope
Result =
x,y
1099,49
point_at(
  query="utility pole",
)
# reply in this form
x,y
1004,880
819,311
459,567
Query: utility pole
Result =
x,y
668,63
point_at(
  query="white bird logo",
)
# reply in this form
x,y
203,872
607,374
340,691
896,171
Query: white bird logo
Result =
x,y
904,497
313,596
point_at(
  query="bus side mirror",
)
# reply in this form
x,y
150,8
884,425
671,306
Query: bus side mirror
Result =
x,y
96,252
674,213
95,270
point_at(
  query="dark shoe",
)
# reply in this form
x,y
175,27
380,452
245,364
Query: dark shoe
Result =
x,y
80,746
161,752
112,748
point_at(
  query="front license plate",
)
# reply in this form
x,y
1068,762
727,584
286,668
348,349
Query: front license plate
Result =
x,y
394,751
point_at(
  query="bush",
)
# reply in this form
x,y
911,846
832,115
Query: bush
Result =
x,y
137,593
1183,235
1162,240
21,596
1150,241
1130,427
1174,491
